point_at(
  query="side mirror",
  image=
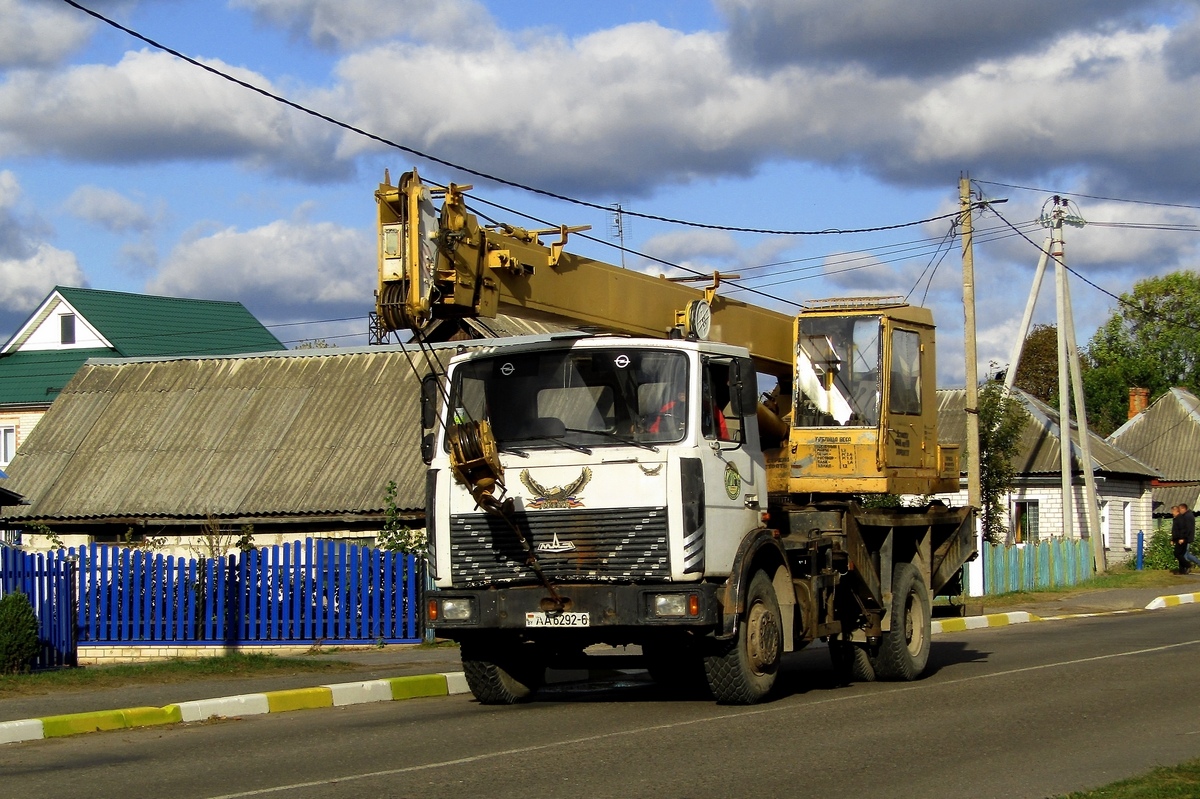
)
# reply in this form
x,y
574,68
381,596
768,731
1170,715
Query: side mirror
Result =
x,y
743,387
429,402
430,393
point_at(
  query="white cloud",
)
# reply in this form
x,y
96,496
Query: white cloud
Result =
x,y
29,266
625,110
24,282
153,107
109,209
38,34
346,24
282,271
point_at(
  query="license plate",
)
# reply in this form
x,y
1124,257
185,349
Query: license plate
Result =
x,y
539,619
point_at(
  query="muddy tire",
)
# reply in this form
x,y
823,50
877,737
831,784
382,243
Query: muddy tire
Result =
x,y
742,671
502,675
851,662
904,650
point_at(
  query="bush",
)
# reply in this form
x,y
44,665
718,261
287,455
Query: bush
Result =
x,y
18,634
1160,552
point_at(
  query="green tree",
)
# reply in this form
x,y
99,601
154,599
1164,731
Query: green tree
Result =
x,y
1037,372
1002,417
1151,340
396,536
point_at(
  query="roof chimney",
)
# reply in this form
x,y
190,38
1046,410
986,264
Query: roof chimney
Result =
x,y
1139,399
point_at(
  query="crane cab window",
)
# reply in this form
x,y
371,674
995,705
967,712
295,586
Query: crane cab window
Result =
x,y
838,371
906,373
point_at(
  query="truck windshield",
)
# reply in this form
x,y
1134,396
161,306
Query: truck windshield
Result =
x,y
582,398
838,371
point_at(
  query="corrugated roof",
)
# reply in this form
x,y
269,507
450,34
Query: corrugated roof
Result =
x,y
317,432
1039,449
136,325
142,324
37,377
1166,435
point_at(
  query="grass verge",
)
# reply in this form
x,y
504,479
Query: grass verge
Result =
x,y
164,672
1117,578
1165,782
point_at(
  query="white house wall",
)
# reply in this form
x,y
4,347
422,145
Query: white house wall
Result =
x,y
1050,512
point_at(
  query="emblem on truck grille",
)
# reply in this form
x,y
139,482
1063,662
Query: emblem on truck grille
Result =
x,y
555,545
566,496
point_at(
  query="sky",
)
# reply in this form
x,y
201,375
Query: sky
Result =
x,y
125,168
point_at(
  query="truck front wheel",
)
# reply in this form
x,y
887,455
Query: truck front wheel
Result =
x,y
742,671
502,675
904,649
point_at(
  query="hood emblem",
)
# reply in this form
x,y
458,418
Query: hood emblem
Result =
x,y
566,496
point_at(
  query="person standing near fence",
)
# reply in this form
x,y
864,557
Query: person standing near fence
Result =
x,y
1183,532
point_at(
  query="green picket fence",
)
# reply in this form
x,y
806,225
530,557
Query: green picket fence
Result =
x,y
1052,563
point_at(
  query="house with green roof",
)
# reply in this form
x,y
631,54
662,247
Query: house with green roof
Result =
x,y
74,324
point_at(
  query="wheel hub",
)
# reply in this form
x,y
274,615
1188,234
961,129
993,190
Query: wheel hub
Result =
x,y
762,639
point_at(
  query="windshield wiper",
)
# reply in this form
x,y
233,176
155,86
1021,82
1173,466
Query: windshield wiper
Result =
x,y
520,453
558,440
615,436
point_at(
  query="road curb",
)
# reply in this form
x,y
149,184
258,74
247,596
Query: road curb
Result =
x,y
1172,601
387,689
957,625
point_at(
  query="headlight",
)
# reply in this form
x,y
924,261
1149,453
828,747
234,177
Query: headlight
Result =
x,y
676,605
460,609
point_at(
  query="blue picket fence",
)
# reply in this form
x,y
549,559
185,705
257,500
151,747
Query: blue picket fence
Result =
x,y
1050,563
303,592
49,584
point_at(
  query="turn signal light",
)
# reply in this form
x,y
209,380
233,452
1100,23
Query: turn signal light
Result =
x,y
433,610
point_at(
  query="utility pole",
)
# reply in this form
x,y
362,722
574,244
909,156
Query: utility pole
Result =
x,y
974,492
1069,377
974,461
1067,336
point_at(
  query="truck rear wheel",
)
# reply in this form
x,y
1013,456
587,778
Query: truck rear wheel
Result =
x,y
904,649
502,675
742,671
851,662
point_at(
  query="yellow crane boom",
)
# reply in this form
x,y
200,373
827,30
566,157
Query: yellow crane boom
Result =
x,y
446,265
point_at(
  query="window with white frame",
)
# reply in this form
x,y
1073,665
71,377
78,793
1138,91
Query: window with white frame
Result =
x,y
1105,522
8,445
1127,534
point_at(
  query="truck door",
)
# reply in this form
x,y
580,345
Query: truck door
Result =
x,y
734,472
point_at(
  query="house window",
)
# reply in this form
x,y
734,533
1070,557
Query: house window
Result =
x,y
1127,532
66,328
8,445
1025,521
1105,522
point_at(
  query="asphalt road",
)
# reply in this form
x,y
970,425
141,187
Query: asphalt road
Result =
x,y
1025,711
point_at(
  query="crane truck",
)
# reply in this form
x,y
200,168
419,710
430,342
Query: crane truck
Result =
x,y
629,485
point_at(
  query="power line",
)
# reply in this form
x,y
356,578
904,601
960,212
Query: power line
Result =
x,y
1087,196
478,173
1144,312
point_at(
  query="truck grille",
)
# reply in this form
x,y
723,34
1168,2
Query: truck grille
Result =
x,y
617,545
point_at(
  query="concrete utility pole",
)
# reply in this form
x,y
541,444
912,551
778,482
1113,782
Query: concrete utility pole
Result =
x,y
974,491
1069,378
